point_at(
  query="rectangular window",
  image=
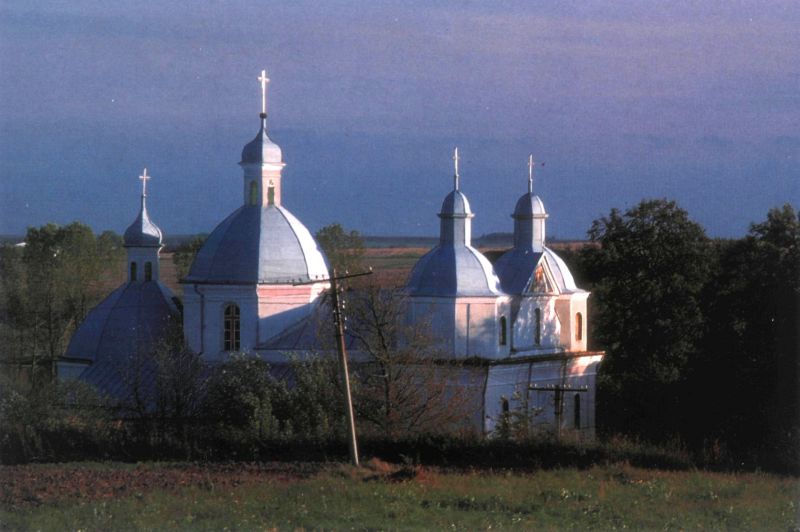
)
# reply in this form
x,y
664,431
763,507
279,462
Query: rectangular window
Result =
x,y
231,335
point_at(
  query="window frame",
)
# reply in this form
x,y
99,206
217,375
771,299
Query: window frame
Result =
x,y
231,327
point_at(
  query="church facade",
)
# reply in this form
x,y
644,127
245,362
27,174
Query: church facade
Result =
x,y
519,325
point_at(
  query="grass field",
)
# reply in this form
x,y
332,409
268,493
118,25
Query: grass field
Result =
x,y
381,496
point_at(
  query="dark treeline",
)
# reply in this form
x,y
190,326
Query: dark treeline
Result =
x,y
701,338
701,335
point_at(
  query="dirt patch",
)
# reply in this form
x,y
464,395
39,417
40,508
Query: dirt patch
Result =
x,y
33,485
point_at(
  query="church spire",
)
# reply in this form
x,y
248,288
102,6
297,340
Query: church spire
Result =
x,y
262,161
456,215
529,217
143,241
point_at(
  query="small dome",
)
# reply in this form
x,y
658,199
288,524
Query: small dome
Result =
x,y
142,232
259,245
453,271
529,205
455,204
261,149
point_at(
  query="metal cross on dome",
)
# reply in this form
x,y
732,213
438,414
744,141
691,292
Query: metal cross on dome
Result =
x,y
264,80
455,163
144,177
531,164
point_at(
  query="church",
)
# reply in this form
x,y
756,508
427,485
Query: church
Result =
x,y
518,325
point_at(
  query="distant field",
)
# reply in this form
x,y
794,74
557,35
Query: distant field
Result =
x,y
391,265
380,496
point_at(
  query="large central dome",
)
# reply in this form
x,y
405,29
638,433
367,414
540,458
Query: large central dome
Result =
x,y
259,245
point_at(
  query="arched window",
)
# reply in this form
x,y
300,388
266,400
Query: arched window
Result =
x,y
538,337
505,406
148,271
253,193
577,418
133,271
578,327
503,333
270,195
231,328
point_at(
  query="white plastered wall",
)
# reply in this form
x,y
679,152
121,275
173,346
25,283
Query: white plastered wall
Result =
x,y
264,311
142,256
204,318
567,307
465,326
513,382
280,306
524,337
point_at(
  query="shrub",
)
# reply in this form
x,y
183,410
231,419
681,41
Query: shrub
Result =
x,y
52,421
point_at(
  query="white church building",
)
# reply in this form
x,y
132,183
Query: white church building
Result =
x,y
518,326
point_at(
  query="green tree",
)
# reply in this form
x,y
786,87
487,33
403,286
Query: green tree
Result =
x,y
345,251
239,400
747,382
648,274
50,286
312,408
184,256
52,421
403,387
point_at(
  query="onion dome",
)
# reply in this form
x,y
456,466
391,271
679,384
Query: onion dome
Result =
x,y
454,267
143,232
259,245
261,149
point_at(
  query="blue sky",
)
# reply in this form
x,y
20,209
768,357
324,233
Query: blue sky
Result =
x,y
693,101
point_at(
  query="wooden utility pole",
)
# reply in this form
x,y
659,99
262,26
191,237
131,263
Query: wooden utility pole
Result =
x,y
338,322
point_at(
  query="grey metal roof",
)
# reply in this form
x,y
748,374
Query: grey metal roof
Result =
x,y
120,331
528,206
304,335
517,266
453,270
259,244
454,267
261,149
132,315
455,204
143,232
